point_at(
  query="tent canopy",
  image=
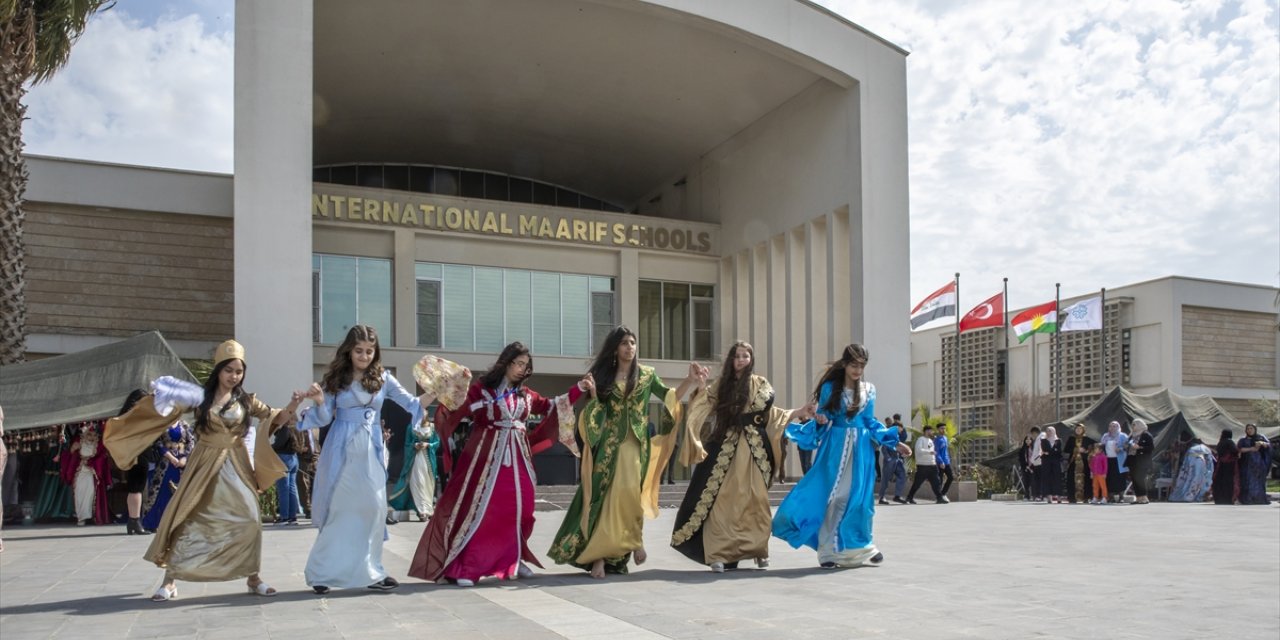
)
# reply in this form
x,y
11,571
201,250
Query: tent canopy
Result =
x,y
1167,414
87,385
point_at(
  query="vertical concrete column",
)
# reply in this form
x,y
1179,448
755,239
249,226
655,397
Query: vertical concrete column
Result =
x,y
629,288
273,194
880,213
405,298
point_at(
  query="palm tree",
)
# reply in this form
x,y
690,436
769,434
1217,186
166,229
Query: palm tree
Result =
x,y
35,42
961,441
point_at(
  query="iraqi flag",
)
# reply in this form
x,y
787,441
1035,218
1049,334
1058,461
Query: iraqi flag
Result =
x,y
988,314
939,304
1041,319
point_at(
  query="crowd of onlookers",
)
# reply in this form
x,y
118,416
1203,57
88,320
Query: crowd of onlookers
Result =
x,y
1102,471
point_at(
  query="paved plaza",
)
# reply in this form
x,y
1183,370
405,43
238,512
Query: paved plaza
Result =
x,y
965,570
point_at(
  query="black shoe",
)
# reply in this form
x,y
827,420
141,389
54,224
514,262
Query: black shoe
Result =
x,y
943,500
320,590
899,500
911,501
386,584
828,565
883,501
392,520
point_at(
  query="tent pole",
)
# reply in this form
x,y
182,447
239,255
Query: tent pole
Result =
x,y
1008,364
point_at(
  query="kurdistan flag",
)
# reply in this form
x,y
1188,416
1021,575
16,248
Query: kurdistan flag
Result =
x,y
1041,319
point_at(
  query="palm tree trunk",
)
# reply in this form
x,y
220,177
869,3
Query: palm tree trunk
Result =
x,y
13,183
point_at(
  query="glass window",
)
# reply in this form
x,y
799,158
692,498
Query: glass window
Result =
x,y
545,291
519,307
566,198
424,270
650,331
422,179
351,291
459,316
575,309
371,175
703,344
344,175
315,300
395,176
675,321
601,317
447,182
544,194
495,187
429,313
472,184
320,174
521,190
489,320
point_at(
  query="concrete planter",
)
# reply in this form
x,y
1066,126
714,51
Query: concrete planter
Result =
x,y
960,491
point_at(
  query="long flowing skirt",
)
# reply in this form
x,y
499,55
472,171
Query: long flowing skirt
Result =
x,y
725,516
212,530
168,483
1195,478
1254,466
422,485
483,520
615,525
348,549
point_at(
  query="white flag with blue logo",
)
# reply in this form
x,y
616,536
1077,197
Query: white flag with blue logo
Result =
x,y
1082,316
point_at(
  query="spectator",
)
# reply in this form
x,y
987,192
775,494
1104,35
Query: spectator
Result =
x,y
1255,463
1098,469
1115,444
895,469
1141,446
1226,480
288,505
1035,459
943,456
1025,468
1195,476
1077,454
926,468
1051,465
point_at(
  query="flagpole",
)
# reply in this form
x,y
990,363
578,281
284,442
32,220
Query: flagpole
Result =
x,y
1102,309
958,307
1055,376
1008,364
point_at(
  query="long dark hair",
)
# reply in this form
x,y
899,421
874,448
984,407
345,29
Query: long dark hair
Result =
x,y
835,375
211,389
494,376
342,369
132,399
733,390
604,369
1227,443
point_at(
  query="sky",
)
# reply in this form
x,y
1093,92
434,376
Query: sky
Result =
x,y
1092,144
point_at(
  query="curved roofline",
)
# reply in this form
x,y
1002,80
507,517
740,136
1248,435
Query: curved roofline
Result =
x,y
856,26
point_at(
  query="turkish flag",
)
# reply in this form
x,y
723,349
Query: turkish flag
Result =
x,y
987,314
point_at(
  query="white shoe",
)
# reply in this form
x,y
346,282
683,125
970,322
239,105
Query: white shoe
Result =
x,y
464,583
717,567
523,571
164,594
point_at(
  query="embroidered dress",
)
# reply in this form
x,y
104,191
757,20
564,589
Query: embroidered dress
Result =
x,y
1195,476
164,482
485,516
349,498
832,507
212,529
725,516
415,489
621,469
85,470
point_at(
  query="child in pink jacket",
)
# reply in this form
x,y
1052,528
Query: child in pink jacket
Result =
x,y
1098,469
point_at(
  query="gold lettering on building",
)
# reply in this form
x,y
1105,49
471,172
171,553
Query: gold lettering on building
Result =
x,y
563,228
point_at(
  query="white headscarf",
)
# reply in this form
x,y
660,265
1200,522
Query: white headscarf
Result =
x,y
1137,427
1051,434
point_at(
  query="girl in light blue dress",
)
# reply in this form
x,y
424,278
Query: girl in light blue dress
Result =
x,y
349,497
832,507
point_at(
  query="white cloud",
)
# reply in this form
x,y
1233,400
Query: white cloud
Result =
x,y
1092,144
1089,143
158,94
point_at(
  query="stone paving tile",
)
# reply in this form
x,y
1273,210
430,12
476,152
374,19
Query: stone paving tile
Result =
x,y
983,570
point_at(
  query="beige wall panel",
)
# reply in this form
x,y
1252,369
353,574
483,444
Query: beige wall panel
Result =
x,y
800,365
776,350
677,268
1228,348
1146,366
759,294
840,311
352,241
819,265
118,273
